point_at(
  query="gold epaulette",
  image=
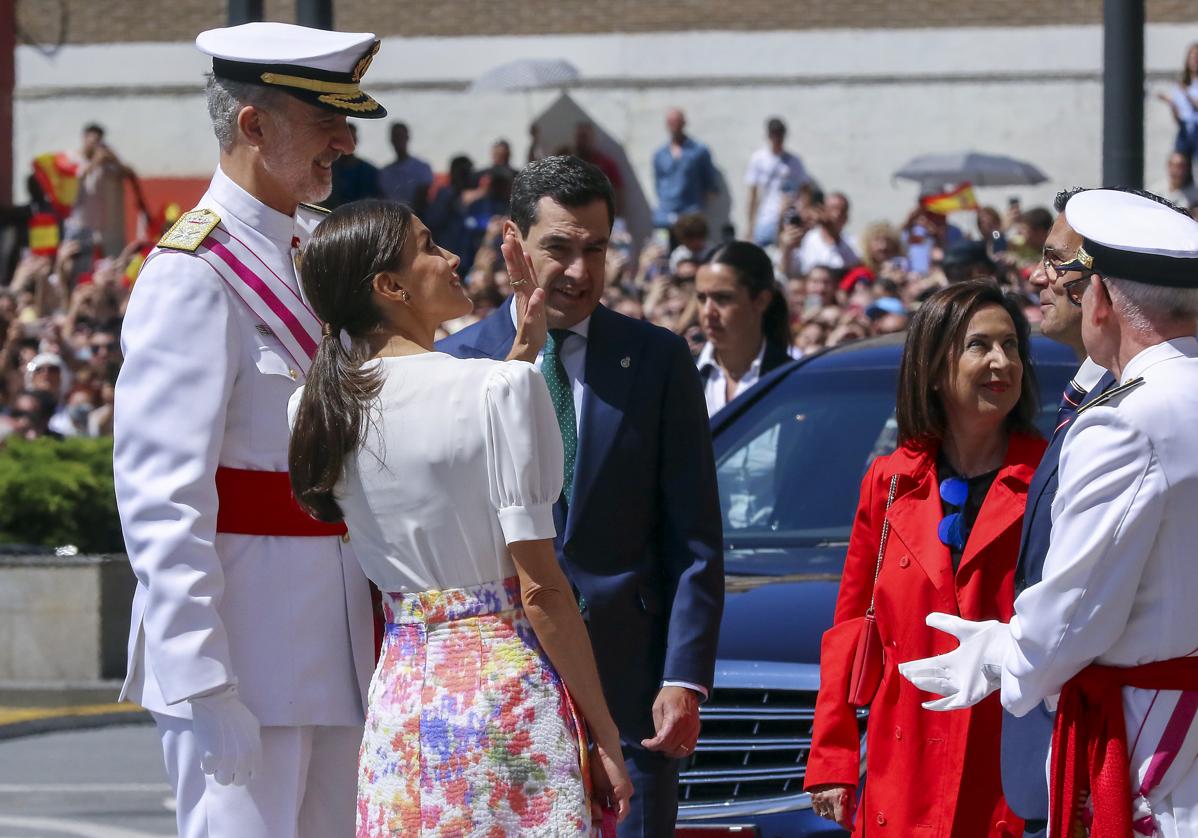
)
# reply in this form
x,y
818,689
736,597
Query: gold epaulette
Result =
x,y
189,232
1111,393
316,208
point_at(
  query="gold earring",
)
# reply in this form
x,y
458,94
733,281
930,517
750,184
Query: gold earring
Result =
x,y
403,294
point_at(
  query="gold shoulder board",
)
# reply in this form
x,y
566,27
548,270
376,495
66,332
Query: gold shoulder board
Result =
x,y
189,232
1111,393
316,208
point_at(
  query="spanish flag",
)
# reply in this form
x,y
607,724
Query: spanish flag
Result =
x,y
43,234
56,173
961,198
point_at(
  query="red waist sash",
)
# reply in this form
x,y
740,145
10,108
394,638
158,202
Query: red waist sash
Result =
x,y
1089,744
261,503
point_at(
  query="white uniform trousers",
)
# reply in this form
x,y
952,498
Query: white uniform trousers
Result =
x,y
307,789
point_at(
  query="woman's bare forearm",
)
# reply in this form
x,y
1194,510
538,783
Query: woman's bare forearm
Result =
x,y
552,610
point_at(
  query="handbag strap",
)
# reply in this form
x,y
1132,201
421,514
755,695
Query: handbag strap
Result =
x,y
882,544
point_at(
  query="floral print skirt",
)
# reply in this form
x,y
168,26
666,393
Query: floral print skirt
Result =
x,y
470,731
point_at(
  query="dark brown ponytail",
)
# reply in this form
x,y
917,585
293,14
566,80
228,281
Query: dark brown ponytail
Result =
x,y
349,248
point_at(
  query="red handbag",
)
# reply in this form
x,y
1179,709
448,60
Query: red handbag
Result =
x,y
868,657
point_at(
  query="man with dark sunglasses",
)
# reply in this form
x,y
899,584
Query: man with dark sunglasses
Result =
x,y
1108,635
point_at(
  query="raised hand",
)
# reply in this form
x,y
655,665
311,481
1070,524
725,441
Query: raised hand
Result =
x,y
528,298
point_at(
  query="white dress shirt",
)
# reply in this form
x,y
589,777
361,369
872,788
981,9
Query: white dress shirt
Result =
x,y
715,382
573,355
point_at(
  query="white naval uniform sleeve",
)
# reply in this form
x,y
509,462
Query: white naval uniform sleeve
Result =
x,y
524,451
181,345
1104,522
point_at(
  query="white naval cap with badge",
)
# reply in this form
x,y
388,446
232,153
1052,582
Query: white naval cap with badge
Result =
x,y
317,66
1133,237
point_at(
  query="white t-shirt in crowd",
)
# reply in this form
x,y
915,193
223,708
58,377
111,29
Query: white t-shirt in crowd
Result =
x,y
817,252
774,175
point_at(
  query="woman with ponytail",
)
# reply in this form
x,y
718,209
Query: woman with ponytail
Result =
x,y
743,312
486,714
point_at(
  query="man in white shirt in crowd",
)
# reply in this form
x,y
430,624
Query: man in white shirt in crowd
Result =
x,y
774,177
824,245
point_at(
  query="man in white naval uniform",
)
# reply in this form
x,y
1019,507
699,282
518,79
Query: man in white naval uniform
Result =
x,y
1110,632
252,641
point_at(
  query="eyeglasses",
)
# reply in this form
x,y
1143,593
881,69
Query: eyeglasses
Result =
x,y
954,491
1054,268
1075,296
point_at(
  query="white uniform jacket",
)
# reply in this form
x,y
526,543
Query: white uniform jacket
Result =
x,y
1120,582
203,385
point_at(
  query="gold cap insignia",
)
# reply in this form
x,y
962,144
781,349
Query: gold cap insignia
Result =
x,y
364,64
1085,258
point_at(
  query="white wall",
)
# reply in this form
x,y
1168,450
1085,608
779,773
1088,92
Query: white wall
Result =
x,y
859,103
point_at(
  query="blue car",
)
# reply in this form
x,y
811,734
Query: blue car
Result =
x,y
790,455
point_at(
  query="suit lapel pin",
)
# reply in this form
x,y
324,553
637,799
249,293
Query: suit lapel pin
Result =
x,y
626,362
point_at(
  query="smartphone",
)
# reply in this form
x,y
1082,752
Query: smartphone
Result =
x,y
1013,201
661,238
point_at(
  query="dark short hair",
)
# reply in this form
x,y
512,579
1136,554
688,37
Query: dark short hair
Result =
x,y
94,128
691,224
934,346
1038,218
565,179
1063,197
775,126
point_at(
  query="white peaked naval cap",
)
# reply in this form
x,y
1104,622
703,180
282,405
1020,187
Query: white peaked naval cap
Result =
x,y
1130,236
319,67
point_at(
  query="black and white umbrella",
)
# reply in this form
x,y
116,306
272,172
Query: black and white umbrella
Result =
x,y
935,170
526,74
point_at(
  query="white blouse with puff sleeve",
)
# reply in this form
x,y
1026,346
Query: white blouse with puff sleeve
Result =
x,y
461,458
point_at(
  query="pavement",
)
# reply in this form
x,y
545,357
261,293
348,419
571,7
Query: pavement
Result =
x,y
75,762
30,710
99,783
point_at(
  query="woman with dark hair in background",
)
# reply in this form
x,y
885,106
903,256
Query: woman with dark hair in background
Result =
x,y
937,528
1183,103
743,313
445,472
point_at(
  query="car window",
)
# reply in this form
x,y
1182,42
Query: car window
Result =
x,y
790,467
796,465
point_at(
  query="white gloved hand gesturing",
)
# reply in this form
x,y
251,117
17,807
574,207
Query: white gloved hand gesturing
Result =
x,y
968,673
228,737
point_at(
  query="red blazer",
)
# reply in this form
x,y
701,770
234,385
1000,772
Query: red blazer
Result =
x,y
929,774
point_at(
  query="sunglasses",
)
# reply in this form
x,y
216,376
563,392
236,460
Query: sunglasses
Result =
x,y
1075,288
954,491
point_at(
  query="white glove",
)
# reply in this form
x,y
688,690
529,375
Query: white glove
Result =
x,y
227,737
968,673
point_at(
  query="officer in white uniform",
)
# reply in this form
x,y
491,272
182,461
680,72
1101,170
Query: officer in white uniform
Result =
x,y
1120,583
252,639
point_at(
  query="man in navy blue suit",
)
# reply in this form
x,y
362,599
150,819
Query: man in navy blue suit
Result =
x,y
1025,740
639,528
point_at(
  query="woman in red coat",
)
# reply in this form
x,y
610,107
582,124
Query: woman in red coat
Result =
x,y
967,451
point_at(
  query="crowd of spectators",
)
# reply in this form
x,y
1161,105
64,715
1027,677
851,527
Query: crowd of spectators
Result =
x,y
61,307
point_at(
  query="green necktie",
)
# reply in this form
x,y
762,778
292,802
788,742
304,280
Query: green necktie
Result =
x,y
562,395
